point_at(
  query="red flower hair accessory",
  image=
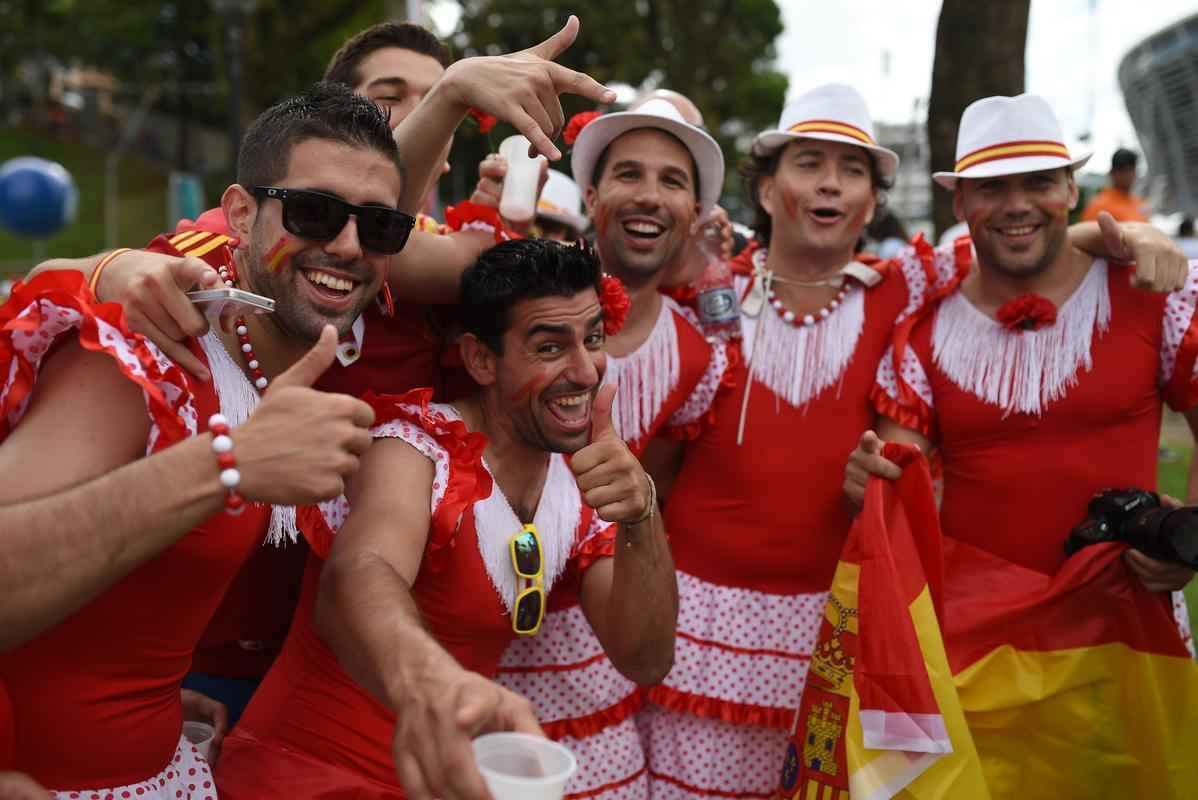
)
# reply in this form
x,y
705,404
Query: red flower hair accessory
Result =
x,y
1028,312
615,304
485,122
577,123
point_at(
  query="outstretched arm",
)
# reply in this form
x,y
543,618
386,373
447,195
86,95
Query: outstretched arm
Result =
x,y
365,611
1161,266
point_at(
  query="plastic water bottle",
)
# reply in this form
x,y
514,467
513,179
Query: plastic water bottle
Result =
x,y
716,302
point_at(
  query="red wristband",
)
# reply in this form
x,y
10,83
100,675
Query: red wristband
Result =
x,y
230,476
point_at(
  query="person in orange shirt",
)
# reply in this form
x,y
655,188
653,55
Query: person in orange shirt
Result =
x,y
1117,198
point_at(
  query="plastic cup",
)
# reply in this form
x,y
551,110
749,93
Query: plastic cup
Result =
x,y
518,202
518,766
199,734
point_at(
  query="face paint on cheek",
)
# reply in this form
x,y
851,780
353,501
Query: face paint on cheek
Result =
x,y
1058,209
530,389
602,219
279,256
790,204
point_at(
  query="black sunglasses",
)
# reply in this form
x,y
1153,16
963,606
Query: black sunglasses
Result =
x,y
320,216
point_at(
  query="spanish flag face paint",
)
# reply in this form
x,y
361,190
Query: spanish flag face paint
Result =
x,y
279,255
1018,222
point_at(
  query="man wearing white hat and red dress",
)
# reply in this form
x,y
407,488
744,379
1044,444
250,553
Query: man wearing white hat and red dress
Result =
x,y
1097,359
648,174
755,515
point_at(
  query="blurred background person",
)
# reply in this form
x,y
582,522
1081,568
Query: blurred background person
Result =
x,y
1117,198
1186,239
559,209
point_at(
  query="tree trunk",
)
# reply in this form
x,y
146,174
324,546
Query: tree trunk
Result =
x,y
979,52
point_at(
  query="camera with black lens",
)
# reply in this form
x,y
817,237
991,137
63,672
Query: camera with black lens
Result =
x,y
1136,516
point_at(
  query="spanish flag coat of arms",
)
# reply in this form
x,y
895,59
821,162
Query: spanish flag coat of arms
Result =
x,y
943,671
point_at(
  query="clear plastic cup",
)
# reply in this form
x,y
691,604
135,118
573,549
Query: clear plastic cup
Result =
x,y
199,734
518,766
518,202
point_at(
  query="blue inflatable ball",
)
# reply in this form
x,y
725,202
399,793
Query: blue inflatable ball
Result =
x,y
38,198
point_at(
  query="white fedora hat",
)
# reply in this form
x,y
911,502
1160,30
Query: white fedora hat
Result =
x,y
834,113
660,114
561,201
1008,136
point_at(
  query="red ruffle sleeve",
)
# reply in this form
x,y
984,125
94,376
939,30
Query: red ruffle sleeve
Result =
x,y
54,304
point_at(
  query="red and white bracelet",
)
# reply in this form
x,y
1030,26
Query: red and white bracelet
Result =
x,y
230,476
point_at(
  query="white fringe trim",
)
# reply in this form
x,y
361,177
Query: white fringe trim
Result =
x,y
1022,371
645,377
797,363
238,398
558,514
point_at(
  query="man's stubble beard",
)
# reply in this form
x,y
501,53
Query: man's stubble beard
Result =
x,y
1052,250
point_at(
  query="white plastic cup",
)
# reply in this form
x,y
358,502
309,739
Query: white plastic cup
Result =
x,y
519,766
518,202
199,734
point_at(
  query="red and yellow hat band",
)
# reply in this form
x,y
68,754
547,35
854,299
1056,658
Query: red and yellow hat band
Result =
x,y
1012,150
832,126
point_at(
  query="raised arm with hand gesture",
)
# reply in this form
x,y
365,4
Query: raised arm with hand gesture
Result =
x,y
610,476
519,88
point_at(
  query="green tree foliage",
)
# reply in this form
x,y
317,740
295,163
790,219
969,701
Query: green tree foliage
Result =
x,y
183,44
720,53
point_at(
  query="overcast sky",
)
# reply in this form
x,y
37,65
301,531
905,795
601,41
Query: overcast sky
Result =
x,y
885,49
1069,49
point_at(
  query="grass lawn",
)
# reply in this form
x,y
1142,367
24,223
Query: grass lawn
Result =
x,y
1172,472
142,193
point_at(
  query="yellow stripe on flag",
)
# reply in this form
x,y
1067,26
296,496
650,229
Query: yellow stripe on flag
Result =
x,y
1101,721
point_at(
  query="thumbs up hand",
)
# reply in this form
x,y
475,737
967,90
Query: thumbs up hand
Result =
x,y
300,444
610,477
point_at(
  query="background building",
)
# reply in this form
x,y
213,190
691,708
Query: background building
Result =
x,y
1159,79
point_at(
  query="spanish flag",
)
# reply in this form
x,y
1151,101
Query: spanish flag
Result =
x,y
943,671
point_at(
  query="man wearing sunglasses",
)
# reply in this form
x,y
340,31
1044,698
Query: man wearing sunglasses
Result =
x,y
396,65
165,485
463,518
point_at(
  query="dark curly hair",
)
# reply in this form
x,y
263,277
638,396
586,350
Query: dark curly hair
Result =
x,y
343,67
326,111
754,167
522,269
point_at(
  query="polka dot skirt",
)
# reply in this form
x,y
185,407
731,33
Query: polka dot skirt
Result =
x,y
692,757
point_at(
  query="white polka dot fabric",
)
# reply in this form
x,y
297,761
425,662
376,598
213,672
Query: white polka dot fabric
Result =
x,y
424,442
32,346
886,378
743,646
611,764
336,511
1181,615
693,757
1179,313
582,680
703,395
187,777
